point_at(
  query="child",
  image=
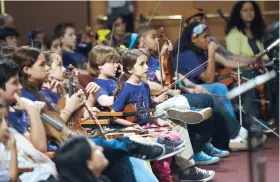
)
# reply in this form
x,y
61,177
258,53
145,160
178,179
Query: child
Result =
x,y
53,44
25,156
8,36
137,92
146,39
116,151
66,32
9,86
10,143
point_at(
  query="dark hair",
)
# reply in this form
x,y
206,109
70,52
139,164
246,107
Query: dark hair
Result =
x,y
186,39
27,57
32,34
8,69
8,31
127,39
7,51
99,55
235,20
48,57
112,19
129,59
59,29
143,30
71,160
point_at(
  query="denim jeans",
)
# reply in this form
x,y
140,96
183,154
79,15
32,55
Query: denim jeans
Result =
x,y
202,132
116,151
220,89
141,171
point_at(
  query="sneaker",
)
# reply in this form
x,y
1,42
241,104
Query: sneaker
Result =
x,y
146,150
240,144
264,127
189,116
194,174
176,144
170,151
209,149
202,158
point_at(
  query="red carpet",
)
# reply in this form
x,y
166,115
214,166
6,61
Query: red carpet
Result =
x,y
235,168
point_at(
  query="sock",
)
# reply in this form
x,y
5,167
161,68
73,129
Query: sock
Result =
x,y
237,139
243,133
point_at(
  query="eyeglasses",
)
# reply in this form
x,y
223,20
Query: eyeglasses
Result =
x,y
198,30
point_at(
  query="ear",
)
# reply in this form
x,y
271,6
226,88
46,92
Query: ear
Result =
x,y
130,70
194,40
99,67
27,70
89,164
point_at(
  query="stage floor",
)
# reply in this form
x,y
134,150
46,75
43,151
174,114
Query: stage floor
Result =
x,y
235,168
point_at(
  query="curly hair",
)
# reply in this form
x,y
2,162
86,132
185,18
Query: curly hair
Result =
x,y
235,20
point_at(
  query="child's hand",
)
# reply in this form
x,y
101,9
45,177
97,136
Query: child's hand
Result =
x,y
161,98
199,89
92,88
167,46
212,46
11,142
75,101
93,111
27,105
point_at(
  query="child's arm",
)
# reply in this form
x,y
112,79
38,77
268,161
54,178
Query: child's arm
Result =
x,y
37,135
75,102
91,89
13,170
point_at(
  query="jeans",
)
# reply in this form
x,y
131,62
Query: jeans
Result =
x,y
117,151
200,133
220,124
141,171
220,89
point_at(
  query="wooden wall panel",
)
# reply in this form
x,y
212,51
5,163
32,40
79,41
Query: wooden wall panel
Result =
x,y
45,14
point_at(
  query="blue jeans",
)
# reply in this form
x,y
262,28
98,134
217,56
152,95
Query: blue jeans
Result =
x,y
200,133
220,89
141,171
117,152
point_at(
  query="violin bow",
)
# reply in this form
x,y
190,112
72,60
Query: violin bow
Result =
x,y
185,76
154,13
95,120
112,33
178,50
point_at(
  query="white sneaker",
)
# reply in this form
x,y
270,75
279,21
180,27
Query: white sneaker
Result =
x,y
190,116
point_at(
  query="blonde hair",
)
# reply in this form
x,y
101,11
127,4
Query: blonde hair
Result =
x,y
99,55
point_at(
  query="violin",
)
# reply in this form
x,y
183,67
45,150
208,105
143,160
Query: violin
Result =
x,y
224,76
55,127
167,62
74,121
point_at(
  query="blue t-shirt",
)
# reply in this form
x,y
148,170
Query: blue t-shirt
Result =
x,y
24,118
188,61
51,97
153,66
107,87
73,58
19,121
139,96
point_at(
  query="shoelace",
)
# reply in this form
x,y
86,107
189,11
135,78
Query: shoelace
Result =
x,y
203,155
202,171
169,141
